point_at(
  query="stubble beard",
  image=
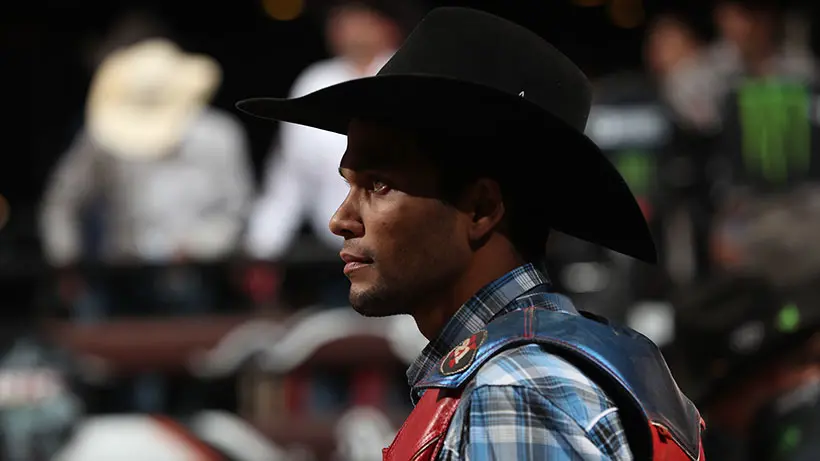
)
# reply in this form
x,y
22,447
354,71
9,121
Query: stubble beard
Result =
x,y
380,300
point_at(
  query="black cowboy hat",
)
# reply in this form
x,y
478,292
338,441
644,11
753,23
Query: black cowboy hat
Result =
x,y
475,74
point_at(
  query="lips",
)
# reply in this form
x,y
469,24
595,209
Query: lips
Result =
x,y
354,262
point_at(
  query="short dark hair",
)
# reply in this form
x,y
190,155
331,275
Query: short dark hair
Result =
x,y
455,159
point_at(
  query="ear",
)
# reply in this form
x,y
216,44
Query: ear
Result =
x,y
486,207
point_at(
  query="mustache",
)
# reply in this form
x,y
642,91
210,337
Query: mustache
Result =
x,y
358,251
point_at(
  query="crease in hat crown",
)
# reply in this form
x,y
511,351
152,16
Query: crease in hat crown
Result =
x,y
504,50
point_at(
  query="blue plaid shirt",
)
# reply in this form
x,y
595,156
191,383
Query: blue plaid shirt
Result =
x,y
524,403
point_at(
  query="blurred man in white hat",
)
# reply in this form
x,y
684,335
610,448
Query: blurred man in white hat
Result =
x,y
173,172
170,175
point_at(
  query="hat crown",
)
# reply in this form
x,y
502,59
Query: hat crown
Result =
x,y
481,48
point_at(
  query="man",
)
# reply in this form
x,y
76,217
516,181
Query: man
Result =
x,y
169,179
687,81
151,149
452,194
361,35
301,180
758,39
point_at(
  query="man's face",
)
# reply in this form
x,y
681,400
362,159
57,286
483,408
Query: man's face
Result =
x,y
668,43
358,33
403,244
746,29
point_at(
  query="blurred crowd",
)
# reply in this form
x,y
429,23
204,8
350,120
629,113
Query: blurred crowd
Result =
x,y
154,213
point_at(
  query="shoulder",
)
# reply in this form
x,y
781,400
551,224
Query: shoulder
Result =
x,y
533,370
528,397
216,128
212,117
213,120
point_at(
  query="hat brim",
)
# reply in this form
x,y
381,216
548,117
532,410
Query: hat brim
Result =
x,y
574,188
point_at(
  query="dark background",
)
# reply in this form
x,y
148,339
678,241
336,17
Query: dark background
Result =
x,y
44,48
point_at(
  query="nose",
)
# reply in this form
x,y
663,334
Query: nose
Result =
x,y
347,222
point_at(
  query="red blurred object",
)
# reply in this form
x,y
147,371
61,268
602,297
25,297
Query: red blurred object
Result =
x,y
296,387
646,207
70,285
369,388
262,282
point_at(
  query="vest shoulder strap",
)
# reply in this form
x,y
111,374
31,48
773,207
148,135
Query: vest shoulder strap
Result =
x,y
626,364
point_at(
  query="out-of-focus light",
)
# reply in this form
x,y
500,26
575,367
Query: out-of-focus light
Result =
x,y
655,320
5,211
627,14
283,10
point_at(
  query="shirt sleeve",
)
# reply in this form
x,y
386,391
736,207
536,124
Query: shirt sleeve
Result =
x,y
286,193
281,207
516,422
219,227
72,183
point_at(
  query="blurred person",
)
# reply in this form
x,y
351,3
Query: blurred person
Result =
x,y
168,176
688,84
752,42
752,358
173,172
696,78
446,218
754,47
692,92
301,181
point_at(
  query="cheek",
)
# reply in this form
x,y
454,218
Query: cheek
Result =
x,y
411,233
393,229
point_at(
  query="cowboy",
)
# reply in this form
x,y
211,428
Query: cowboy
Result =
x,y
168,178
453,190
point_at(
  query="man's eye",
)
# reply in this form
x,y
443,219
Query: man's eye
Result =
x,y
380,187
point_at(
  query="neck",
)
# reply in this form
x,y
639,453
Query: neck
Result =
x,y
486,267
758,59
362,64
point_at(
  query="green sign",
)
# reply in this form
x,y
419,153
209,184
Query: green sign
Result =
x,y
775,128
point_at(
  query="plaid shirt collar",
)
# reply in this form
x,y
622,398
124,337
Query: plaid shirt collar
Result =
x,y
498,297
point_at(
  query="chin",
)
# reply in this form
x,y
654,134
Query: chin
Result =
x,y
370,303
369,310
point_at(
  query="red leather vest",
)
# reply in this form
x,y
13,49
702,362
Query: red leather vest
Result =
x,y
422,434
660,427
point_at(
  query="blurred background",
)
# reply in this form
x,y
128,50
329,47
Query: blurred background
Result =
x,y
169,289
